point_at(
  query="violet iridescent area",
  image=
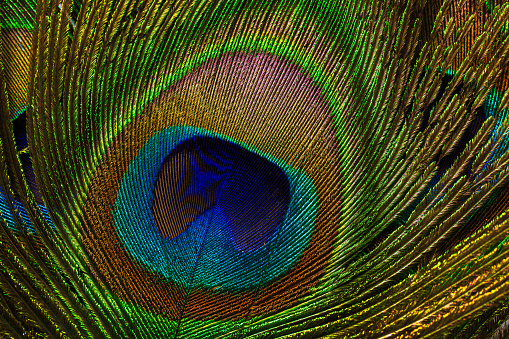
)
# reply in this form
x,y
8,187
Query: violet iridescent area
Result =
x,y
206,173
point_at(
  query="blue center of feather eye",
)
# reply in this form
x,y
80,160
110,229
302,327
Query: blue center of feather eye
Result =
x,y
248,216
210,174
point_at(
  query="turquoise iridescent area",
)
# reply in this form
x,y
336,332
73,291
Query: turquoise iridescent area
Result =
x,y
207,253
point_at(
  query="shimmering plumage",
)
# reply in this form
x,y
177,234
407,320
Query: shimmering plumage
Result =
x,y
254,169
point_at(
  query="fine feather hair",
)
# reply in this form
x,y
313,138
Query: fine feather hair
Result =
x,y
359,189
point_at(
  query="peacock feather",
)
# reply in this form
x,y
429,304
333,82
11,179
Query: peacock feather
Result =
x,y
254,169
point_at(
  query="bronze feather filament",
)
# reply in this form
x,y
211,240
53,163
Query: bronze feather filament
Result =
x,y
254,169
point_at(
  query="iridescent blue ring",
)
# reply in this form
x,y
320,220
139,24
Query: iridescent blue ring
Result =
x,y
205,256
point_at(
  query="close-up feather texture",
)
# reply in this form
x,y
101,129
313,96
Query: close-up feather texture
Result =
x,y
254,169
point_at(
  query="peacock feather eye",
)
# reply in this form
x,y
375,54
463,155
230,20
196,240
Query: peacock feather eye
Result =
x,y
217,210
254,169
